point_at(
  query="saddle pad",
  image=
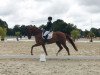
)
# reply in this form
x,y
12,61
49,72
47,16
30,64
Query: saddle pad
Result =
x,y
50,35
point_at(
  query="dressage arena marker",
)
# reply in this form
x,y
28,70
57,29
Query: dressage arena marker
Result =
x,y
7,56
42,58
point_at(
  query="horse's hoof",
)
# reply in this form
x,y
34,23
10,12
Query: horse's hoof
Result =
x,y
31,54
56,54
68,59
76,49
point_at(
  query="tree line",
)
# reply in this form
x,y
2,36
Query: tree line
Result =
x,y
58,25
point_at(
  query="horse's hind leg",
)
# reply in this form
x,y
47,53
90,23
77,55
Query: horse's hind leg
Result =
x,y
67,49
60,47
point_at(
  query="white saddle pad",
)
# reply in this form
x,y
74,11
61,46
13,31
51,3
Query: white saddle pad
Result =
x,y
50,35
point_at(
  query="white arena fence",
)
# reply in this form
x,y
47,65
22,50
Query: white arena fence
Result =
x,y
34,40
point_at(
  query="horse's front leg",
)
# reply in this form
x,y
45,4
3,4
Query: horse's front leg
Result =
x,y
44,49
34,46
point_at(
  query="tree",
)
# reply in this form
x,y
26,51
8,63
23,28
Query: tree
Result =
x,y
85,33
16,28
42,26
23,30
17,35
81,33
91,35
70,27
62,26
59,25
99,32
10,32
75,34
3,32
3,24
95,31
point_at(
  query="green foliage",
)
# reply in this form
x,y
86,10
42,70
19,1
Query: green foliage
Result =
x,y
3,24
62,26
59,25
17,33
75,34
16,28
95,31
10,32
23,30
42,26
3,32
91,34
86,32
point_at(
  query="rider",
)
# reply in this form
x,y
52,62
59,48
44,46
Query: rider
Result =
x,y
48,28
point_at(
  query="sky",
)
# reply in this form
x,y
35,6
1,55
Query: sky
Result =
x,y
82,13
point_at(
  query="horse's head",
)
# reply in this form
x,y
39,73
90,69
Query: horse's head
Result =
x,y
29,32
32,31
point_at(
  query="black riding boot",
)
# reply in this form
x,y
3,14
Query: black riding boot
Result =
x,y
45,38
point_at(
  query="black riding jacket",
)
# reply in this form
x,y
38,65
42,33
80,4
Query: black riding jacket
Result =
x,y
49,26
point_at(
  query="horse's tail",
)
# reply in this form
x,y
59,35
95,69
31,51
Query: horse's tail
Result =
x,y
71,41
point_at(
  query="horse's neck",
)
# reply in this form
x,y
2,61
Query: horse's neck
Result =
x,y
38,37
39,31
36,31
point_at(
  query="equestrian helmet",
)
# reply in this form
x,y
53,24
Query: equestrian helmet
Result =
x,y
49,18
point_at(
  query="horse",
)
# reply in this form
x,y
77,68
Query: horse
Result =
x,y
58,37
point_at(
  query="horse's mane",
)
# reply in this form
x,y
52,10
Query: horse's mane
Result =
x,y
38,28
35,29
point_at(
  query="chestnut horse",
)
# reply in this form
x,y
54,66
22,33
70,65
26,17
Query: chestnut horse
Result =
x,y
58,37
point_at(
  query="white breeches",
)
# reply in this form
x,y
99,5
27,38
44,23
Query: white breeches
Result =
x,y
46,32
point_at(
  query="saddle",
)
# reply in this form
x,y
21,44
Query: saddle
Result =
x,y
50,35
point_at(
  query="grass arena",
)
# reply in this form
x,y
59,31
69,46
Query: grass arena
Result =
x,y
29,66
